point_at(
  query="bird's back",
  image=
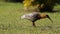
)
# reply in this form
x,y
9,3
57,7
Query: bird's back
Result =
x,y
32,16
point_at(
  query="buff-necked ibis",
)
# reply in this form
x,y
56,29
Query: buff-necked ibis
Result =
x,y
34,16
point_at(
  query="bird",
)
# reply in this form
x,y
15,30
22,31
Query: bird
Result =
x,y
34,16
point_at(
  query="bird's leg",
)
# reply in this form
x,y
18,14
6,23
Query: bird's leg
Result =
x,y
34,24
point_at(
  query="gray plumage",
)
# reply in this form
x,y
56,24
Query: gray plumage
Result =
x,y
31,16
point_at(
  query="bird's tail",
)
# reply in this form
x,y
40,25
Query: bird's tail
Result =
x,y
49,18
23,16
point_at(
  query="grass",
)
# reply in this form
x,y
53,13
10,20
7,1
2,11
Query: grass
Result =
x,y
11,23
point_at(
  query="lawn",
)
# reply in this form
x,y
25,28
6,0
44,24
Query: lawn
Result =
x,y
11,23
